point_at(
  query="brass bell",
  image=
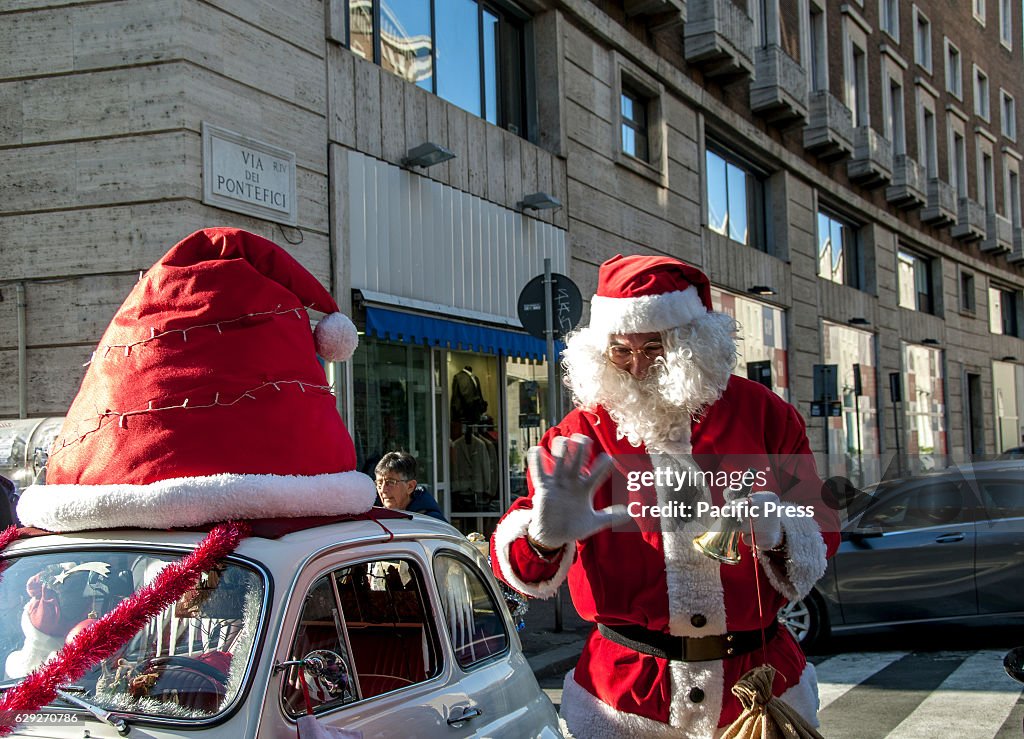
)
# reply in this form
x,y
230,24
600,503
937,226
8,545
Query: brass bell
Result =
x,y
722,541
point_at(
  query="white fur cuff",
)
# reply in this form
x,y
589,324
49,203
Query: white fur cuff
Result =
x,y
805,556
513,527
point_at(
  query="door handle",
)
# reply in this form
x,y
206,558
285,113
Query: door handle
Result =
x,y
466,715
949,538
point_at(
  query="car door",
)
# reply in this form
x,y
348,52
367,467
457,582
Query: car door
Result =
x,y
1000,551
372,610
910,556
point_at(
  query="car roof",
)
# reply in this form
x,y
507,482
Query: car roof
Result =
x,y
271,550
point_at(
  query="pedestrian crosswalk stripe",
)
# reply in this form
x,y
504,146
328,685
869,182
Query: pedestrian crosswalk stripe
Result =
x,y
978,683
837,675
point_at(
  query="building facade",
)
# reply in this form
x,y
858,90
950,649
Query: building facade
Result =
x,y
847,173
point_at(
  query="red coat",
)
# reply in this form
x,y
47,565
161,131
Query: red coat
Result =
x,y
651,575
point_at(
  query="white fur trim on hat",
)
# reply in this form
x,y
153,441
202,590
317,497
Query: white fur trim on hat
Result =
x,y
190,501
646,313
805,556
513,527
37,649
336,337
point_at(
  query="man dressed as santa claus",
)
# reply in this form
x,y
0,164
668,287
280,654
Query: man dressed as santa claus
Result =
x,y
663,443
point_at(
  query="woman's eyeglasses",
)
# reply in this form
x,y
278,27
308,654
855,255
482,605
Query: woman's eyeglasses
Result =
x,y
387,482
621,355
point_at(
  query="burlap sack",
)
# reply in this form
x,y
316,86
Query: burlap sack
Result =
x,y
764,716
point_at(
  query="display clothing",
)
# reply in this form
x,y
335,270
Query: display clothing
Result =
x,y
648,574
467,404
471,467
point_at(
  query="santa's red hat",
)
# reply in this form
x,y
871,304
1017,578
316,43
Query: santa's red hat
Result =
x,y
205,402
641,294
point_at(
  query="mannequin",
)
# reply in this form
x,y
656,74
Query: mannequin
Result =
x,y
467,402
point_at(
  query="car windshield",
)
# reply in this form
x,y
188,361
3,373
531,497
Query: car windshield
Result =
x,y
187,662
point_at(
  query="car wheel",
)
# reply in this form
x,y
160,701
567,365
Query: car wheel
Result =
x,y
806,620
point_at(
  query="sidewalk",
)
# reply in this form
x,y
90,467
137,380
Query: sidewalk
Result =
x,y
550,652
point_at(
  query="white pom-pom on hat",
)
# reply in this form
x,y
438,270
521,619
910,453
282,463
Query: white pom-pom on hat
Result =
x,y
336,337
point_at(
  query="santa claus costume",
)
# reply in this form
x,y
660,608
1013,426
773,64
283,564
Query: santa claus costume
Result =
x,y
676,628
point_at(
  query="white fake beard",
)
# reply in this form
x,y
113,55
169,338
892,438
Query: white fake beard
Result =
x,y
659,408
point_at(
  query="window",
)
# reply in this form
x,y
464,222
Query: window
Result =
x,y
762,355
895,130
954,71
924,401
967,302
958,165
471,54
889,13
475,620
981,108
928,143
857,85
1002,311
1006,23
915,282
853,436
735,199
372,616
922,39
1008,115
816,47
633,107
1003,498
979,11
838,250
987,186
936,504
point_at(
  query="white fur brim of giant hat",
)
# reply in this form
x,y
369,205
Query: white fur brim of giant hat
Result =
x,y
37,649
183,502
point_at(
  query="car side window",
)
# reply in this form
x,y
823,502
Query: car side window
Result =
x,y
372,616
474,618
1005,498
937,504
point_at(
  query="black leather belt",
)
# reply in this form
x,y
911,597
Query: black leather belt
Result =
x,y
688,648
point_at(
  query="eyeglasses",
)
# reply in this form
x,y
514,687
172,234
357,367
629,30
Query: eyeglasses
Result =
x,y
621,355
387,482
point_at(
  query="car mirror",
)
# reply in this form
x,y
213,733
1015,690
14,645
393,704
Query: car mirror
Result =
x,y
1013,663
324,669
866,532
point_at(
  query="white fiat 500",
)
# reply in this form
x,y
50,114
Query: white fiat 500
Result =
x,y
389,628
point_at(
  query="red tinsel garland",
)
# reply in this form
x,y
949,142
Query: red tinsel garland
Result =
x,y
104,637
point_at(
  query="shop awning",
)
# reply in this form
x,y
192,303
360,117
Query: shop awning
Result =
x,y
415,328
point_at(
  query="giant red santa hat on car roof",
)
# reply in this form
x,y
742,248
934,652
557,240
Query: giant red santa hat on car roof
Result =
x,y
205,402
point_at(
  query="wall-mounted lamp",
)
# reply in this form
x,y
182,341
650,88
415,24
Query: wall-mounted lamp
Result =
x,y
930,342
859,321
1008,358
539,201
761,290
426,155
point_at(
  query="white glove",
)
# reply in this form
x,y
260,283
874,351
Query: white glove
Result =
x,y
563,501
766,524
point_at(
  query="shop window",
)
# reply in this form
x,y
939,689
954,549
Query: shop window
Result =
x,y
735,198
853,437
1008,397
371,616
391,400
914,276
474,618
924,400
761,355
1002,311
839,257
470,53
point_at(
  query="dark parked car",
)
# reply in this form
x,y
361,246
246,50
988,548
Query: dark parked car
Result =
x,y
946,545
